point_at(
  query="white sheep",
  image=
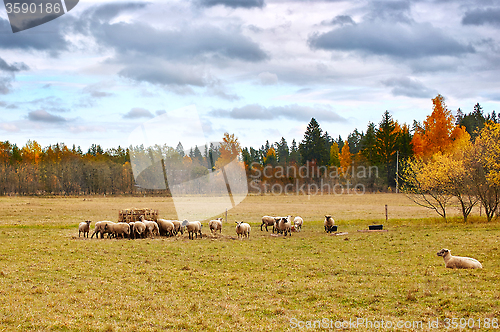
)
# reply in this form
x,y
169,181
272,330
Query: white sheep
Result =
x,y
166,227
268,221
151,227
193,227
243,229
139,229
457,262
297,222
215,225
117,229
84,227
329,223
178,227
99,228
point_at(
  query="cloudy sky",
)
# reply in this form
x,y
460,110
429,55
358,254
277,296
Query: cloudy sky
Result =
x,y
257,68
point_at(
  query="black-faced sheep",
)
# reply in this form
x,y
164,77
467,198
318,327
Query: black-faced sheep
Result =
x,y
243,229
268,221
84,227
194,227
457,262
284,225
329,223
215,225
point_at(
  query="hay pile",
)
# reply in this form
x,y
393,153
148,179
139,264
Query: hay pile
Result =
x,y
130,215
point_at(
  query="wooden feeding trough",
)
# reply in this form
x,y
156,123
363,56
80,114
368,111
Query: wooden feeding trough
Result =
x,y
131,215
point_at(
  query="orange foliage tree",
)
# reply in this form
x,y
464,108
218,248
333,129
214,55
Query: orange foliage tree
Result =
x,y
229,149
438,132
345,158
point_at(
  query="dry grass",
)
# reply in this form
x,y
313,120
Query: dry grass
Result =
x,y
52,280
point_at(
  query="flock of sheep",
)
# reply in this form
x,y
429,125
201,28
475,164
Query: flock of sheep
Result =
x,y
280,225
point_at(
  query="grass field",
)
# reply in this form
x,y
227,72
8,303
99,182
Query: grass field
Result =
x,y
52,280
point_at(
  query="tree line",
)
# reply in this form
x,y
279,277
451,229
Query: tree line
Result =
x,y
389,146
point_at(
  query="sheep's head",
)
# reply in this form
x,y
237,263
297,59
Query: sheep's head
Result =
x,y
328,217
238,224
443,252
88,222
285,220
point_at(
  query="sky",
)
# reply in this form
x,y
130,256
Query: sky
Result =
x,y
260,69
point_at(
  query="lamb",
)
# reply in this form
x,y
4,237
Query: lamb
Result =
x,y
215,225
456,262
194,227
297,222
329,223
242,229
284,225
268,221
166,227
99,228
121,228
84,227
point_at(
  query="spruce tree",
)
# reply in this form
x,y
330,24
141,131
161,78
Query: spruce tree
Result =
x,y
313,146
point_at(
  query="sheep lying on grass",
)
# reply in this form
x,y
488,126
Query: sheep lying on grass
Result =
x,y
215,225
194,227
329,223
457,262
268,221
242,229
84,227
297,222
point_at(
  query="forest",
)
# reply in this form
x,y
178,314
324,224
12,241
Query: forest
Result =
x,y
424,159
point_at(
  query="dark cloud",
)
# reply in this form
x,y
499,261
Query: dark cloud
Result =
x,y
5,84
137,113
339,20
232,3
294,112
53,40
391,11
189,42
44,116
405,86
160,112
13,68
482,16
267,78
164,75
383,38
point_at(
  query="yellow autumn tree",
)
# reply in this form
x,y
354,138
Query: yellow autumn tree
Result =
x,y
229,149
334,155
345,158
270,158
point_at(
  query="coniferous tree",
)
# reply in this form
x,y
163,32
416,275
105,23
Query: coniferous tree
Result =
x,y
294,153
385,146
180,150
313,146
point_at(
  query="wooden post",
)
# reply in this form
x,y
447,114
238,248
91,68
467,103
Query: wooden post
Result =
x,y
386,217
226,215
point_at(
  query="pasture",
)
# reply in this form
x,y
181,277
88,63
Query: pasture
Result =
x,y
52,280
